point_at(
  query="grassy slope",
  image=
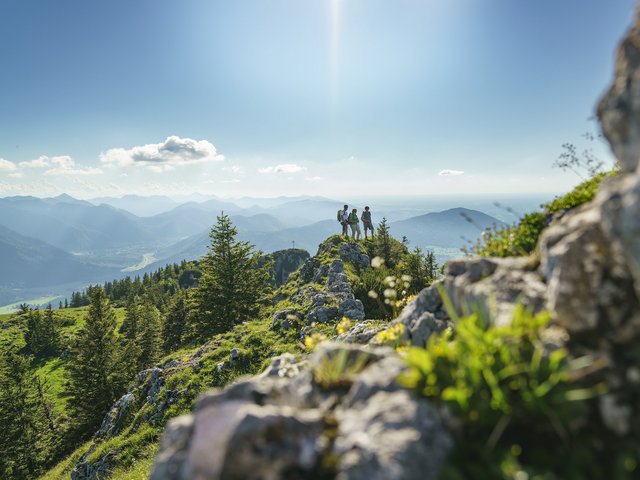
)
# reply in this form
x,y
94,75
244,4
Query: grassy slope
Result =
x,y
52,369
257,342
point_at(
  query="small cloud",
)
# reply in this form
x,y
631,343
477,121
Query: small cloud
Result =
x,y
6,165
450,173
237,169
284,168
233,180
16,175
61,165
173,152
40,162
161,168
314,179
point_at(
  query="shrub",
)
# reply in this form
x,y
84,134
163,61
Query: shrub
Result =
x,y
519,406
522,238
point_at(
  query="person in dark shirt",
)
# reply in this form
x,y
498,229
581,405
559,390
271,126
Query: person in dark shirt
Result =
x,y
366,220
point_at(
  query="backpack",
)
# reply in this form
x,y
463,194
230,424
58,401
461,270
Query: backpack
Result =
x,y
339,216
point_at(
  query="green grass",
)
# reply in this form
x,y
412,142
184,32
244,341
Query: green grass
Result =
x,y
62,471
51,369
141,468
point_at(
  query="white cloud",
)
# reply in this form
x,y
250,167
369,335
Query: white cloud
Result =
x,y
237,169
40,162
314,179
164,156
161,168
233,180
7,165
61,165
450,173
284,168
16,175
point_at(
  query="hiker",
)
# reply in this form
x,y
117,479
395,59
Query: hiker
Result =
x,y
354,223
366,222
343,218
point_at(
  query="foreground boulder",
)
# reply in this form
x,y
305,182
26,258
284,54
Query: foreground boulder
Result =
x,y
310,420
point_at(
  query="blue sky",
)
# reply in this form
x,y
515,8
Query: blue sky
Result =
x,y
288,97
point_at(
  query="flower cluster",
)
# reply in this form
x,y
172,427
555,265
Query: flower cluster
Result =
x,y
344,326
392,336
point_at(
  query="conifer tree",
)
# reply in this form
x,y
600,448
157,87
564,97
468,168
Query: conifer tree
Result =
x,y
174,325
26,435
130,325
233,284
94,380
432,266
421,268
383,243
149,335
42,337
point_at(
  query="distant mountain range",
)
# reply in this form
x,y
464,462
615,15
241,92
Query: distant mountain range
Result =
x,y
28,262
59,240
449,228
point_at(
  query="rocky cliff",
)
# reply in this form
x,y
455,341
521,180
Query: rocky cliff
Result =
x,y
298,420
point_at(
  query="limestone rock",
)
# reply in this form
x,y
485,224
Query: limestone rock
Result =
x,y
351,252
620,199
285,262
112,422
291,426
619,108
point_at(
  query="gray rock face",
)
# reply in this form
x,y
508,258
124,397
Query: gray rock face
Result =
x,y
285,262
493,286
350,252
362,332
112,422
150,389
295,425
86,470
587,273
336,300
621,219
619,108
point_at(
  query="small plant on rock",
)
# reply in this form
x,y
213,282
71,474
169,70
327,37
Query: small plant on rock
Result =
x,y
515,399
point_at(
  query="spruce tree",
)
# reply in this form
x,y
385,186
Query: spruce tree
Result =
x,y
233,285
383,243
130,325
93,373
432,266
26,434
416,266
174,325
42,337
149,335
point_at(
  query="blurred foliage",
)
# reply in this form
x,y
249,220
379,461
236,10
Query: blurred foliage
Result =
x,y
522,237
518,404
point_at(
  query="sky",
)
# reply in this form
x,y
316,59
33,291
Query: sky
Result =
x,y
300,97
